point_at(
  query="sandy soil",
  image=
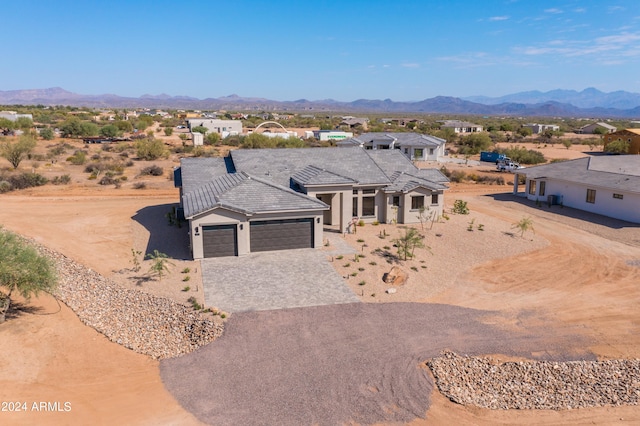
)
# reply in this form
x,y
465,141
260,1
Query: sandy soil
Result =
x,y
566,274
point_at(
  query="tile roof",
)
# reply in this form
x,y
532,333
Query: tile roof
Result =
x,y
621,172
312,175
402,138
391,161
279,164
246,194
196,171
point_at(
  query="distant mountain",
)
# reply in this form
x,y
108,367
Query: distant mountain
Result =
x,y
588,98
526,104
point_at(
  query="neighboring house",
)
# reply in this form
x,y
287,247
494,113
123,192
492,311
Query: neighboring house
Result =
x,y
590,129
355,123
13,116
632,136
415,146
608,185
541,128
223,127
461,126
276,199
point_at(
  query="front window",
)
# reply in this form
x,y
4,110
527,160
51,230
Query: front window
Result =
x,y
434,198
532,187
591,196
368,206
354,212
418,153
417,202
395,201
543,185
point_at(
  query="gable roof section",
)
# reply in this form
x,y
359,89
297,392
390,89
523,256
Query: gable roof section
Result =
x,y
405,182
243,193
392,161
401,138
620,172
312,175
277,165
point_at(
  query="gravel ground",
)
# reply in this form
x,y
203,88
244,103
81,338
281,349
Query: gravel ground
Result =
x,y
337,364
150,325
524,385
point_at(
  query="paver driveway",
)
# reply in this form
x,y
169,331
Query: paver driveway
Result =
x,y
273,280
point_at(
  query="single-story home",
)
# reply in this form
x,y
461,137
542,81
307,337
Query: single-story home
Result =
x,y
275,199
537,128
608,185
222,127
461,126
598,127
415,146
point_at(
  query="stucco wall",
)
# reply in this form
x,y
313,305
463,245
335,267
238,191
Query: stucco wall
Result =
x,y
575,195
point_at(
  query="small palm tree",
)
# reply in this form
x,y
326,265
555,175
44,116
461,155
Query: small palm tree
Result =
x,y
159,265
525,224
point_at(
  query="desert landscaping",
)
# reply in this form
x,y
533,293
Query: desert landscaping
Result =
x,y
570,283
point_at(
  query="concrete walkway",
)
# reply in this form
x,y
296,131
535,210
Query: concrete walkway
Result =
x,y
273,280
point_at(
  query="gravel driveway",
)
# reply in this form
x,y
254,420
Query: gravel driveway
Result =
x,y
337,364
273,280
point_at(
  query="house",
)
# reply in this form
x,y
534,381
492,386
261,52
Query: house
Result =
x,y
461,126
601,128
415,146
608,185
223,127
276,199
13,116
632,136
541,128
355,123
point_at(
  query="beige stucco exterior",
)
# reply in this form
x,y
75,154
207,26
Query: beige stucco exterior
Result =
x,y
221,216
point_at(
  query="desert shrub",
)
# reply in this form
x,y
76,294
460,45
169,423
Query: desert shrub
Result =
x,y
78,158
460,207
150,149
55,151
152,171
139,185
107,180
457,176
5,186
27,180
61,180
36,157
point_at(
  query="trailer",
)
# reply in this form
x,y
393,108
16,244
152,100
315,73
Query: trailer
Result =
x,y
493,157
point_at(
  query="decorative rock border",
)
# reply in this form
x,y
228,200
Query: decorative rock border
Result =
x,y
147,324
487,383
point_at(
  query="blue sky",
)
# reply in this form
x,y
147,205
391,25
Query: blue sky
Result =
x,y
404,50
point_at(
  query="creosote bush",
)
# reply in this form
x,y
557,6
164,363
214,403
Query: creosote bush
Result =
x,y
152,171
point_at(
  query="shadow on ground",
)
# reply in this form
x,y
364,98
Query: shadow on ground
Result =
x,y
170,240
565,212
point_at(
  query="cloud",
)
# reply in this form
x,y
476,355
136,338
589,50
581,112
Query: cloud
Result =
x,y
499,18
553,11
580,10
614,9
410,65
609,49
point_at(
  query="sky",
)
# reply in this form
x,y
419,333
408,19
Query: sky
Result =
x,y
404,50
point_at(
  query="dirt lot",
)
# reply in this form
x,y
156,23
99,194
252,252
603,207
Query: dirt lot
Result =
x,y
570,274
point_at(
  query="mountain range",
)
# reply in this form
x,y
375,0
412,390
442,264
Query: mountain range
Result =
x,y
556,103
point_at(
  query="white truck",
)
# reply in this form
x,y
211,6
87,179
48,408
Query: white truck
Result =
x,y
508,166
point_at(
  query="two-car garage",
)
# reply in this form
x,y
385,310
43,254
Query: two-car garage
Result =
x,y
264,235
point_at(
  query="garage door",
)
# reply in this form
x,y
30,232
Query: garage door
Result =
x,y
219,240
281,234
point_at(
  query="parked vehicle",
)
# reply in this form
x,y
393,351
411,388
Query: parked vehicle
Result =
x,y
508,166
493,157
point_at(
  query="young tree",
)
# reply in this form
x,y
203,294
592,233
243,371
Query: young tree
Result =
x,y
200,129
159,265
6,125
525,224
212,138
109,131
168,131
408,242
424,215
22,269
15,152
150,149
